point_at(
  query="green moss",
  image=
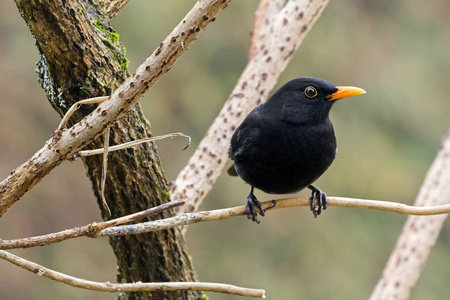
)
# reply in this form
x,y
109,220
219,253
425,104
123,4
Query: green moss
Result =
x,y
111,40
166,192
98,24
123,61
113,36
203,296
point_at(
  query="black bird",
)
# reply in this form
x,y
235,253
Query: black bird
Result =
x,y
288,142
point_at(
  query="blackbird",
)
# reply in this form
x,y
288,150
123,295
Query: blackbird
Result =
x,y
288,142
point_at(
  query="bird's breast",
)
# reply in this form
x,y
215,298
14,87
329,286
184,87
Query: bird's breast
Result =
x,y
288,159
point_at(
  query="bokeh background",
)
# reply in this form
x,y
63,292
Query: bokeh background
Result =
x,y
398,51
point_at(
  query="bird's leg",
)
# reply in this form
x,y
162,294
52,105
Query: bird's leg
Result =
x,y
250,209
321,198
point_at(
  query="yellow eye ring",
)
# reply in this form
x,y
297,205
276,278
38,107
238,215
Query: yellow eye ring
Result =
x,y
310,92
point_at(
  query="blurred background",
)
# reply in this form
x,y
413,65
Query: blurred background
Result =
x,y
398,51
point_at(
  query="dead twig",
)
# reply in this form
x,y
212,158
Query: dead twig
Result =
x,y
129,287
134,143
105,168
90,230
76,106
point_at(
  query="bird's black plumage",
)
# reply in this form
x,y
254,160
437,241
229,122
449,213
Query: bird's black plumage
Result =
x,y
287,143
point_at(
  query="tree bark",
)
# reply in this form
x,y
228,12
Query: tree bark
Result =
x,y
81,57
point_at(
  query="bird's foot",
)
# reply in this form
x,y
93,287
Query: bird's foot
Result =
x,y
321,198
250,209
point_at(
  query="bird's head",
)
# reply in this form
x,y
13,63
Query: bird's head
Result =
x,y
308,99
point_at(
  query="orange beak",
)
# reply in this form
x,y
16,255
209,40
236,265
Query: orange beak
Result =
x,y
344,92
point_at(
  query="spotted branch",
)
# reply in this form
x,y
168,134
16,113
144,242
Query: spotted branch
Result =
x,y
65,143
277,34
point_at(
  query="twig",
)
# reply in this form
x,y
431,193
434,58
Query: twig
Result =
x,y
76,106
90,230
134,143
129,287
105,168
221,214
277,34
63,146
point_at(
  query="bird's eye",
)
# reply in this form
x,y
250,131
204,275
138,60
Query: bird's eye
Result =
x,y
310,92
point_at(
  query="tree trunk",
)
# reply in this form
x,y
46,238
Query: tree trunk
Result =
x,y
81,57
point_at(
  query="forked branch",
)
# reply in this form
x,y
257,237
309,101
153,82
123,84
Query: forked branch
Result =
x,y
90,230
65,144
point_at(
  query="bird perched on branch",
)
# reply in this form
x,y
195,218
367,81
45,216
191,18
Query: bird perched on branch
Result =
x,y
288,142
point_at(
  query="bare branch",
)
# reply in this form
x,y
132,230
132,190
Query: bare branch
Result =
x,y
129,287
76,106
134,143
220,214
274,47
264,19
64,145
112,7
105,228
419,235
90,230
105,168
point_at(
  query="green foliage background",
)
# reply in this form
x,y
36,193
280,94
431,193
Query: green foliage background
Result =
x,y
397,51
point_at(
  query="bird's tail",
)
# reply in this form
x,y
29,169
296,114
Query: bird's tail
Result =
x,y
232,171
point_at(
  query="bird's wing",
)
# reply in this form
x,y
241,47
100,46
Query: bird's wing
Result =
x,y
247,131
238,144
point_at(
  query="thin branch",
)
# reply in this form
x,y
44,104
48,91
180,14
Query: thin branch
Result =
x,y
105,168
221,214
129,287
419,235
272,49
90,230
76,106
134,143
106,228
64,145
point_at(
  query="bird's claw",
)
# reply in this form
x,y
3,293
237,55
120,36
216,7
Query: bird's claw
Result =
x,y
321,197
250,209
